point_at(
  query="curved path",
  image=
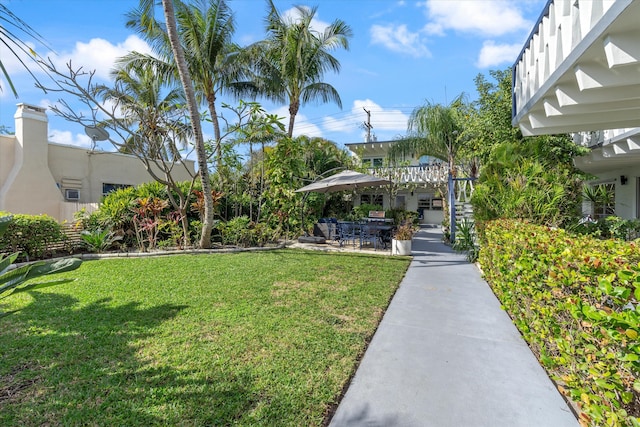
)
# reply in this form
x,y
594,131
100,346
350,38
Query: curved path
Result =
x,y
446,354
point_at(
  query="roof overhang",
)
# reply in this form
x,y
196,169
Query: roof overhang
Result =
x,y
580,69
619,152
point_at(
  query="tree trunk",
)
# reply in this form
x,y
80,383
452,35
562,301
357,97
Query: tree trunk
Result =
x,y
211,100
185,78
293,111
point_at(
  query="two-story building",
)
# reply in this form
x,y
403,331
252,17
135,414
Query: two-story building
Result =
x,y
420,184
579,73
40,177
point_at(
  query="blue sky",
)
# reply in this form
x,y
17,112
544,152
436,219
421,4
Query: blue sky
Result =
x,y
402,54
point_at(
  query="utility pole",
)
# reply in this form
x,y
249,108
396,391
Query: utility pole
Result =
x,y
367,124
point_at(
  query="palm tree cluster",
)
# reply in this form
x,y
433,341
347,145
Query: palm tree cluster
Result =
x,y
155,101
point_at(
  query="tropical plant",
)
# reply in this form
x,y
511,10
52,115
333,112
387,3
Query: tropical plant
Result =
x,y
466,239
291,62
404,232
155,114
99,240
14,280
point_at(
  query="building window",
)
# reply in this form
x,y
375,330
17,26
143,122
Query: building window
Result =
x,y
374,162
371,199
602,198
427,201
108,188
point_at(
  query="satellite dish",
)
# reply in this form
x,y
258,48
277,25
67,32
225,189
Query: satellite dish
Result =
x,y
96,133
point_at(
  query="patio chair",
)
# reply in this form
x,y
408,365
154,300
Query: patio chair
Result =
x,y
370,234
347,231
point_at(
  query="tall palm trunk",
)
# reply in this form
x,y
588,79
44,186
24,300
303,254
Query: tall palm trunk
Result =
x,y
185,79
211,101
293,111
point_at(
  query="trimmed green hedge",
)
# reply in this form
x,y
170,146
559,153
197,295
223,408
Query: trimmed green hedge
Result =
x,y
31,235
575,300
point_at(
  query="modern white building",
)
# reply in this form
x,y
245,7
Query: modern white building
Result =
x,y
579,72
40,177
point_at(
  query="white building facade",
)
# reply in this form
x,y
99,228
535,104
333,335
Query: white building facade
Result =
x,y
579,73
420,185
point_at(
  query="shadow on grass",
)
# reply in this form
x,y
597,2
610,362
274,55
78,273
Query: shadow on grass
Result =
x,y
64,365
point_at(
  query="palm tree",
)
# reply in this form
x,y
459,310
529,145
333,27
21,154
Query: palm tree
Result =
x,y
205,29
260,128
151,110
434,130
194,114
291,62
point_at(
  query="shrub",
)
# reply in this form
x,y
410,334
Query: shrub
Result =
x,y
362,211
13,281
611,227
31,235
241,231
576,301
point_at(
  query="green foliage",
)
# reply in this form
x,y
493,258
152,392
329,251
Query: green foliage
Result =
x,y
14,281
31,235
362,211
611,227
576,300
241,231
518,184
400,216
99,240
466,239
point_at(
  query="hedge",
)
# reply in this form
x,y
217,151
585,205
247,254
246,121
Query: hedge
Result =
x,y
575,301
31,235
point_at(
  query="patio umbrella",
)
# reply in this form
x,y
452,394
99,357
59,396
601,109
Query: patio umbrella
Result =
x,y
346,180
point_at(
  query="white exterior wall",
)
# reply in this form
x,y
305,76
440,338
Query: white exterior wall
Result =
x,y
625,195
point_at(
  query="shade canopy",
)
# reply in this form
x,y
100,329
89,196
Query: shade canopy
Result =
x,y
346,180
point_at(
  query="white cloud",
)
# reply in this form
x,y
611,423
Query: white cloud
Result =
x,y
485,17
302,125
399,39
293,15
390,120
493,54
99,54
67,138
384,121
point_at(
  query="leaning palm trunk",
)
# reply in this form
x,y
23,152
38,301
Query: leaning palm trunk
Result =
x,y
185,79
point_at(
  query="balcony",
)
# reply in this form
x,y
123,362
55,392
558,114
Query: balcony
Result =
x,y
579,69
426,174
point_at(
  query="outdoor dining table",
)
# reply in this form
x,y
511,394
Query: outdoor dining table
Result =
x,y
364,231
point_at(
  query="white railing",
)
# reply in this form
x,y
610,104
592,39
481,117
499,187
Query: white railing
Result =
x,y
428,174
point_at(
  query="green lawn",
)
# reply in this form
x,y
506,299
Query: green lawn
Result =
x,y
260,338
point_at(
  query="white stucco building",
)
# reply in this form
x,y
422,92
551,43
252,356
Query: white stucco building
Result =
x,y
579,72
421,184
40,177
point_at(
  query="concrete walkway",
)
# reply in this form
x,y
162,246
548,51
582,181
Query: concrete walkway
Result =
x,y
445,354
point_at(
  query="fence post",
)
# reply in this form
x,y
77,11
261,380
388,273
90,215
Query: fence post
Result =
x,y
452,209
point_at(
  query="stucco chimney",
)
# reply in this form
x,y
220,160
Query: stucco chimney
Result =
x,y
30,188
